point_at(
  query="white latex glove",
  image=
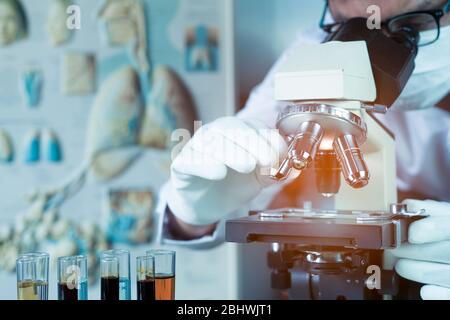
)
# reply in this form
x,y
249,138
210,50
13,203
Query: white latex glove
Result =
x,y
426,258
221,168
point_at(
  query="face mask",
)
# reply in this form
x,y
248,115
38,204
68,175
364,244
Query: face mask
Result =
x,y
430,81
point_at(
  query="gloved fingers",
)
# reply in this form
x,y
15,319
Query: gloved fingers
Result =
x,y
432,252
430,229
191,163
432,208
279,146
271,136
430,292
424,272
246,137
213,144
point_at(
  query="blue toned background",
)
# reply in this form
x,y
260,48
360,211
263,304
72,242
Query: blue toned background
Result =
x,y
250,38
263,29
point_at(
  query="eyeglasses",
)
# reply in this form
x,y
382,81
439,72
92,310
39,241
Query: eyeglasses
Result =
x,y
425,20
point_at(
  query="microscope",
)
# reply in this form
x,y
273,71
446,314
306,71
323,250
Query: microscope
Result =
x,y
333,90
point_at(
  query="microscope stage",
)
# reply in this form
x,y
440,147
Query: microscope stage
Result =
x,y
352,229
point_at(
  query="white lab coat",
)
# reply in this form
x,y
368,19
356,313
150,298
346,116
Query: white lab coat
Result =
x,y
422,141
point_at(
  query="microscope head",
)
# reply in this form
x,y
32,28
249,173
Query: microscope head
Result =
x,y
330,86
353,64
323,133
319,79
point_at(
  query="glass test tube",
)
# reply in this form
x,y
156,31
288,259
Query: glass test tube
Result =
x,y
32,276
124,271
109,270
145,274
72,278
164,273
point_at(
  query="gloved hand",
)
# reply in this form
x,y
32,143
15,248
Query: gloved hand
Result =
x,y
224,166
426,258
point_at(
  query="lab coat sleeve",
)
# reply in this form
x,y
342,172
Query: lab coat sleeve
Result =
x,y
262,106
422,150
163,236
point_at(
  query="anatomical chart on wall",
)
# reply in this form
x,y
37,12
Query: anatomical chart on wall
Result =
x,y
123,23
200,40
32,81
13,22
57,30
201,52
128,215
91,111
78,73
6,147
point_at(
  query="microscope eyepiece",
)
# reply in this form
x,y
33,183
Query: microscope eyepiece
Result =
x,y
407,36
399,42
354,168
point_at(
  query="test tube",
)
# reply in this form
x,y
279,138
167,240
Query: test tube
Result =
x,y
109,269
72,278
164,273
145,273
123,257
32,276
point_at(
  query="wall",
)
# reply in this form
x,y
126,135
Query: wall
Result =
x,y
68,117
264,28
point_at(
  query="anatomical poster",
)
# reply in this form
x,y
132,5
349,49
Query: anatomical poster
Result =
x,y
90,93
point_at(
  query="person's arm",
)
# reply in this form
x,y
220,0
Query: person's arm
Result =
x,y
261,106
173,231
185,231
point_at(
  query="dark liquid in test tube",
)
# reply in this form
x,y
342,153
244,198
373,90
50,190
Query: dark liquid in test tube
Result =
x,y
73,291
146,290
110,288
66,292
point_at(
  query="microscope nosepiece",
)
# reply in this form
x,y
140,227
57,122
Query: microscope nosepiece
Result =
x,y
353,166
